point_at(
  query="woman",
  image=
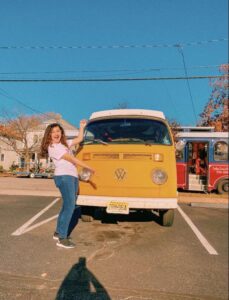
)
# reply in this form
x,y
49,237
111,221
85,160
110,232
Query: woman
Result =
x,y
55,145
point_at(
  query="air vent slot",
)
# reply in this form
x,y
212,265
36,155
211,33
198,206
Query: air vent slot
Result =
x,y
105,156
137,156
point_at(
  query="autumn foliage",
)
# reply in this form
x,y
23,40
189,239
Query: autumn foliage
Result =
x,y
18,127
215,112
15,132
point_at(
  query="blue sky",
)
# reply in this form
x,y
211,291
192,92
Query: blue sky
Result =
x,y
48,23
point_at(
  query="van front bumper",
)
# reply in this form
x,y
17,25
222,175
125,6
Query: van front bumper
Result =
x,y
133,203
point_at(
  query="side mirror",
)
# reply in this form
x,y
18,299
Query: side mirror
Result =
x,y
180,145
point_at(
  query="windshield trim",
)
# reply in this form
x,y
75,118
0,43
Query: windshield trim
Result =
x,y
129,140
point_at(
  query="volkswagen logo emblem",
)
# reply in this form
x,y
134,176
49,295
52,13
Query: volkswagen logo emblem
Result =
x,y
120,174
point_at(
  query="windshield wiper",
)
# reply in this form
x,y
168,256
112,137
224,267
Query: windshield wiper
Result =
x,y
145,142
95,140
132,140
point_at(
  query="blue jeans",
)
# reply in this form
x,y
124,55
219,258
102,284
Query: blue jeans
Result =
x,y
68,186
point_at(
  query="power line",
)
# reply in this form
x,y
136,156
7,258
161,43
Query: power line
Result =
x,y
187,80
111,70
58,47
7,95
108,79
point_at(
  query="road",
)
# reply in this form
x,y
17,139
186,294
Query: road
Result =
x,y
117,257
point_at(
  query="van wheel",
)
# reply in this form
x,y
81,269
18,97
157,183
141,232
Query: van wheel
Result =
x,y
166,217
32,175
222,187
87,214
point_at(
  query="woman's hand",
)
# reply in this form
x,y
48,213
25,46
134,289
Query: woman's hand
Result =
x,y
83,123
92,171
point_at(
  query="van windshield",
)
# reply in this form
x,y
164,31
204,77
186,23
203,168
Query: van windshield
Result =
x,y
127,131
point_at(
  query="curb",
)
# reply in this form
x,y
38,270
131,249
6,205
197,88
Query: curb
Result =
x,y
30,193
209,205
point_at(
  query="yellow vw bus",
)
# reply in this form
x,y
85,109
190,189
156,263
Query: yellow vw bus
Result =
x,y
132,151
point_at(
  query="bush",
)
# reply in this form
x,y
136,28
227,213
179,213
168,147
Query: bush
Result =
x,y
13,167
1,169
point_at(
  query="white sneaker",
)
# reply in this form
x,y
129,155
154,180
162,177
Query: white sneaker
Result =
x,y
65,243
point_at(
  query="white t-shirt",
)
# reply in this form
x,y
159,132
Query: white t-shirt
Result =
x,y
62,166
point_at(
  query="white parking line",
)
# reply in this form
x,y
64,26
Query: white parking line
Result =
x,y
40,223
199,235
25,228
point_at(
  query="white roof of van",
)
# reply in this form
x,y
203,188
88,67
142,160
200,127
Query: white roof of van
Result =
x,y
203,135
127,112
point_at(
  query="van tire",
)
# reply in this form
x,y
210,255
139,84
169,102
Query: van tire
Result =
x,y
222,187
87,214
166,217
32,175
86,218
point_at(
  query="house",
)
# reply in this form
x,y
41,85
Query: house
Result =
x,y
9,157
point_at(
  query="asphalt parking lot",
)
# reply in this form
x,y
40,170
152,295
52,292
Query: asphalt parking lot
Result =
x,y
117,257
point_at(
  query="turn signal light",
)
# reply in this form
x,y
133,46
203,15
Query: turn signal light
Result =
x,y
158,157
86,156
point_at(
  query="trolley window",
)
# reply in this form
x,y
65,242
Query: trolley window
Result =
x,y
221,151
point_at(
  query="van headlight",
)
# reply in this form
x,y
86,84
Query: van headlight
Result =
x,y
84,174
159,176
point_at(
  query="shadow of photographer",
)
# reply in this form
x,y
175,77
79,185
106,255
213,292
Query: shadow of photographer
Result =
x,y
81,284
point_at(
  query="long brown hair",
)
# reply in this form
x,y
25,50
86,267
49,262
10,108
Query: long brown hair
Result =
x,y
47,139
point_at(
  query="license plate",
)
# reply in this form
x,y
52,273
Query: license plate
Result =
x,y
114,207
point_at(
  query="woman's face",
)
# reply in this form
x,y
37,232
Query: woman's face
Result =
x,y
56,135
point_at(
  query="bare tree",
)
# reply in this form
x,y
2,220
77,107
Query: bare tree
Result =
x,y
122,105
174,126
17,133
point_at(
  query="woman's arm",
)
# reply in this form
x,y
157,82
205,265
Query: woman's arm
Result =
x,y
79,138
77,162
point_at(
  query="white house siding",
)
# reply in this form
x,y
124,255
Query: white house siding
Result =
x,y
7,156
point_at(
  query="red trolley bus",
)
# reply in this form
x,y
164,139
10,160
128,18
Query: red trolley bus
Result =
x,y
202,159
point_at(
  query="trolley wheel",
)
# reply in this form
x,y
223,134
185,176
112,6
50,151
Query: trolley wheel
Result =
x,y
222,187
87,213
32,175
166,217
